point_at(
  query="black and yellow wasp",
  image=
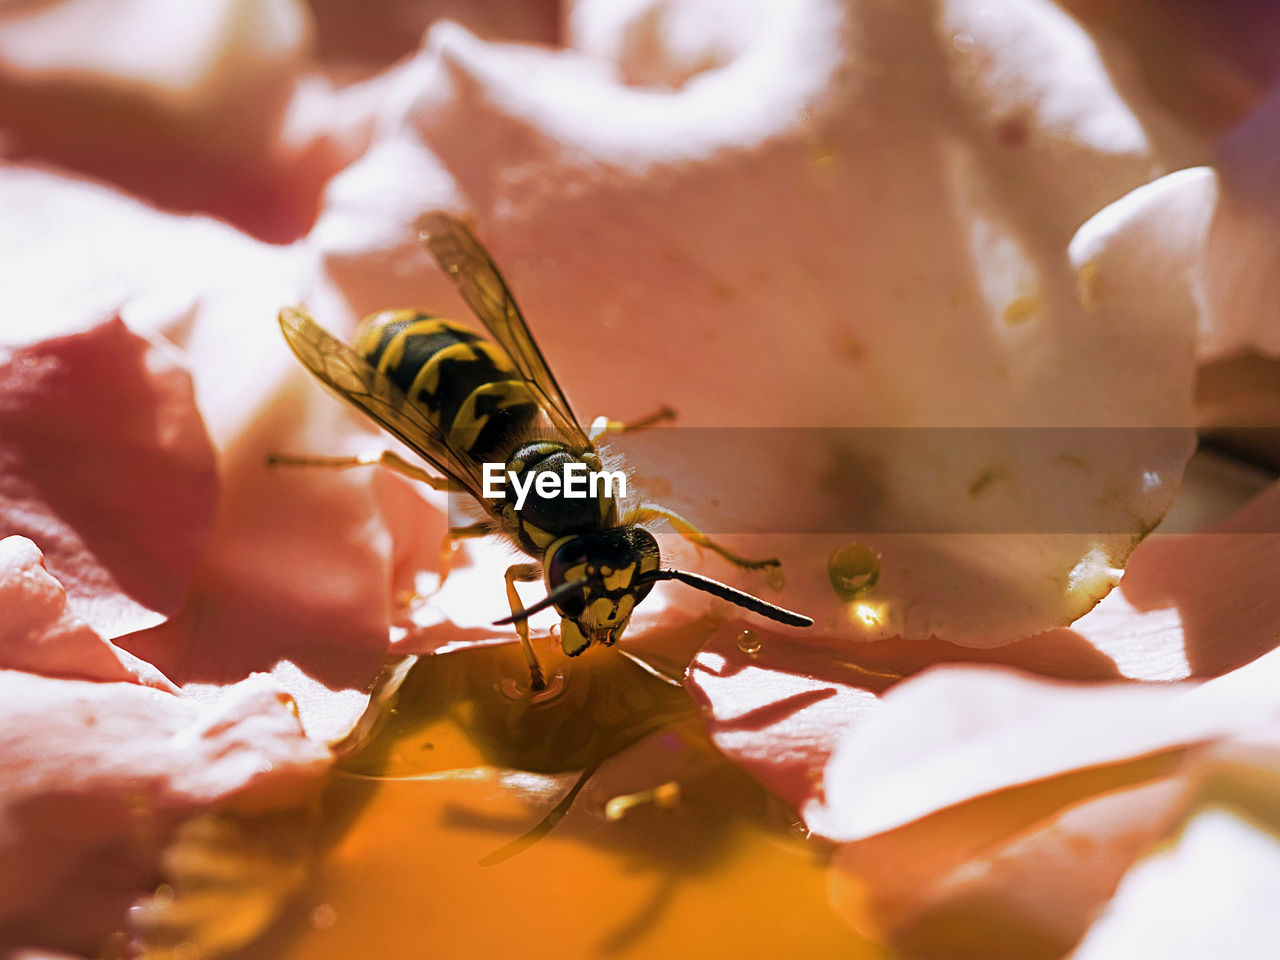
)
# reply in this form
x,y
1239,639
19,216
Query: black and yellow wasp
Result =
x,y
460,401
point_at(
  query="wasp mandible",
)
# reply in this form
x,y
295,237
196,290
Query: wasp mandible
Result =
x,y
460,401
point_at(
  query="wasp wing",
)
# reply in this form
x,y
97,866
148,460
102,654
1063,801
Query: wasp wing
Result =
x,y
357,381
476,276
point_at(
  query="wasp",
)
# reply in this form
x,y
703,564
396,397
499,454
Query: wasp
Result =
x,y
461,401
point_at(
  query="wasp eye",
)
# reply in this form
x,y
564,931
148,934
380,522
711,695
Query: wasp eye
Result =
x,y
570,555
561,570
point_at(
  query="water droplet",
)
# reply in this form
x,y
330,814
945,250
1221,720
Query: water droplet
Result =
x,y
323,916
776,578
853,569
963,42
749,642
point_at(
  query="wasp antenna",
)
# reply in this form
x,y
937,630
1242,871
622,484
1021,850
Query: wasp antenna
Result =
x,y
726,592
554,597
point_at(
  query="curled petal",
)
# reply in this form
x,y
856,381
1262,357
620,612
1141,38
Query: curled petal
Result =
x,y
40,635
953,734
1209,891
73,803
183,110
1193,604
1016,876
108,468
1025,822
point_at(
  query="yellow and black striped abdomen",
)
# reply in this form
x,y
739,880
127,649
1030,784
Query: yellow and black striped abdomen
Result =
x,y
466,383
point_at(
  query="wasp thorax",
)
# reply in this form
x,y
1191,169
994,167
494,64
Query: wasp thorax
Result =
x,y
610,567
549,492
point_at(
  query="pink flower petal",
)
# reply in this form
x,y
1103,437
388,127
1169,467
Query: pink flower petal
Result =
x,y
1211,893
934,290
952,734
185,110
1194,604
1244,243
302,567
106,466
86,816
142,46
1012,876
779,706
980,807
1022,870
350,42
40,635
1025,872
782,709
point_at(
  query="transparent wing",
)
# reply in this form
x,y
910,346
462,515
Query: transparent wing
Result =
x,y
476,276
357,381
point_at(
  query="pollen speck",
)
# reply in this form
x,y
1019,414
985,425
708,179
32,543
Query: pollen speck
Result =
x,y
1089,286
1020,310
665,796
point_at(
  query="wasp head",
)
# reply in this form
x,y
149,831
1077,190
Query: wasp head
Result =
x,y
597,579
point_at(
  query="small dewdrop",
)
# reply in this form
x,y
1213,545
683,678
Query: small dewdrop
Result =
x,y
664,796
853,570
749,642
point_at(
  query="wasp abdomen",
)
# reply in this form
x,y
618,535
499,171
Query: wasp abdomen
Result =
x,y
466,383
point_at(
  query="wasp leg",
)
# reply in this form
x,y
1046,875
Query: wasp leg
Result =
x,y
450,543
602,425
543,826
525,573
386,458
652,511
